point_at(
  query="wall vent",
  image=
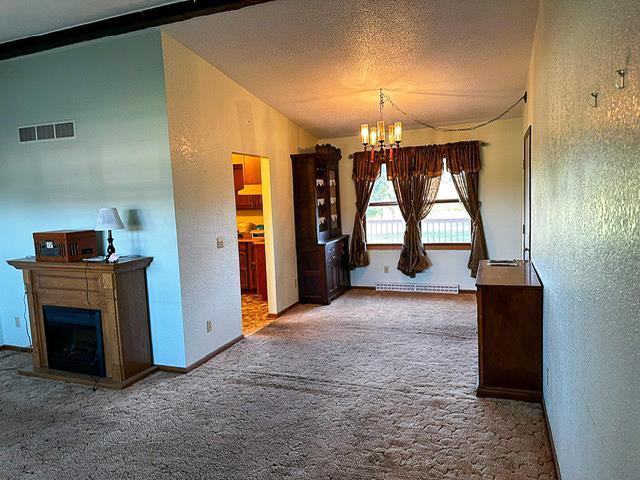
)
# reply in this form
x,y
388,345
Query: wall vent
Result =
x,y
417,287
47,131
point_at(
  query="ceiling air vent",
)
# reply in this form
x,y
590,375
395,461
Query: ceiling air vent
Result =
x,y
47,132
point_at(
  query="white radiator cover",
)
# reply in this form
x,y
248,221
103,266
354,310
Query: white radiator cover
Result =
x,y
417,287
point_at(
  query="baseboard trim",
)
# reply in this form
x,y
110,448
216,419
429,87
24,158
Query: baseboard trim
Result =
x,y
509,393
15,348
551,442
282,312
203,360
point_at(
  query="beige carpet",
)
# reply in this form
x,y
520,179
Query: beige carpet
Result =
x,y
374,386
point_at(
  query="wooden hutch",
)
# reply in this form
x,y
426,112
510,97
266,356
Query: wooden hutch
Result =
x,y
322,249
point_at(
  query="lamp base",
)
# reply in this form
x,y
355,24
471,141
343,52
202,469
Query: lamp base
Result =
x,y
110,248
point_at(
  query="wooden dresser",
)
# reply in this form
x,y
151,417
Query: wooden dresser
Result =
x,y
116,293
509,332
322,250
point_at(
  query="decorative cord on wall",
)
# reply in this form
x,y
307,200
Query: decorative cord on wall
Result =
x,y
387,98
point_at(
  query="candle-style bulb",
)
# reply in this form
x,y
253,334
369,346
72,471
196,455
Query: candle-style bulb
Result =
x,y
398,131
373,137
380,130
364,133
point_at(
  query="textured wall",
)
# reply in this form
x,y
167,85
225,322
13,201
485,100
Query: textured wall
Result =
x,y
500,193
210,116
586,231
114,89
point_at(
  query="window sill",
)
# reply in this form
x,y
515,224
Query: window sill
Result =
x,y
428,246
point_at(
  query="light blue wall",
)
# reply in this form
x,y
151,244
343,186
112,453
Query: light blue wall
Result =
x,y
114,90
586,231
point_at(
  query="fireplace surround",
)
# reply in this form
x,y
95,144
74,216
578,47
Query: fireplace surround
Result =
x,y
89,320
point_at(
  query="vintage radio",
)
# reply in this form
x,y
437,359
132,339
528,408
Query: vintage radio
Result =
x,y
65,245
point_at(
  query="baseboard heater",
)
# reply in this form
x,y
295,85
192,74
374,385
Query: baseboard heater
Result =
x,y
417,287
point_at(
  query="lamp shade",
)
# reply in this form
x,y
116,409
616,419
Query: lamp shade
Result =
x,y
108,219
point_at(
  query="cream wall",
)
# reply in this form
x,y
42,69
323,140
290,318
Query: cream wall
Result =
x,y
500,194
210,116
586,231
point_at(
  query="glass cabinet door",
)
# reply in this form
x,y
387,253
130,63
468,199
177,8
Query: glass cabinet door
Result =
x,y
322,207
334,206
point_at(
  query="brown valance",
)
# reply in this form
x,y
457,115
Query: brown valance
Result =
x,y
404,162
462,156
364,168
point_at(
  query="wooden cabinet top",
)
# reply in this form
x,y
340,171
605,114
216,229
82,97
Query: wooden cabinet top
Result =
x,y
123,264
325,151
522,275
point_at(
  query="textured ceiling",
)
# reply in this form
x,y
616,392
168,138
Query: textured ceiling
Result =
x,y
22,18
321,62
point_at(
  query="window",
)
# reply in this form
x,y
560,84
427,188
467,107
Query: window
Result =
x,y
448,221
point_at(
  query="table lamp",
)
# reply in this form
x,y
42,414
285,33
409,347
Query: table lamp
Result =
x,y
108,219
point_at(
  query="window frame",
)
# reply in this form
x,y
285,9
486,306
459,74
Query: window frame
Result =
x,y
428,246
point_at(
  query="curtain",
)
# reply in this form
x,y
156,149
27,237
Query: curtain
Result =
x,y
415,173
463,162
365,173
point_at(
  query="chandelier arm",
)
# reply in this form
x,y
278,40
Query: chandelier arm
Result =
x,y
463,129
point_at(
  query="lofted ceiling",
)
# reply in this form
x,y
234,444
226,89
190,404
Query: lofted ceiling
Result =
x,y
322,62
23,18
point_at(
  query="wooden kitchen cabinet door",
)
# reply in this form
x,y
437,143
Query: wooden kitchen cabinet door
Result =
x,y
252,175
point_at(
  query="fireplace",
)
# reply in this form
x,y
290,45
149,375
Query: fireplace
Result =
x,y
104,329
74,340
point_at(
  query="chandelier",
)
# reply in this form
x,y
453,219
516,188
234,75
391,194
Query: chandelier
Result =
x,y
382,144
377,137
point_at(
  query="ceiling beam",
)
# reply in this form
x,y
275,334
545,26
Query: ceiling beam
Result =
x,y
129,22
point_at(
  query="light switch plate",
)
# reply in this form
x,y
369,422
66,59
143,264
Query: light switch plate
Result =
x,y
220,242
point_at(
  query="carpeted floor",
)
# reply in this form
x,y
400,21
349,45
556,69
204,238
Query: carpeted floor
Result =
x,y
374,386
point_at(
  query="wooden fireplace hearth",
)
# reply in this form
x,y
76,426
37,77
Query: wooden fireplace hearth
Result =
x,y
118,291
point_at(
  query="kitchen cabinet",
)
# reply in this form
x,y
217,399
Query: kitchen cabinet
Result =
x,y
253,269
252,173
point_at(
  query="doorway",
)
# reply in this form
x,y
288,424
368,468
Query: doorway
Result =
x,y
526,191
255,238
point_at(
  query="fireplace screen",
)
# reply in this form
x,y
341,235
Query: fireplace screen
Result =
x,y
74,340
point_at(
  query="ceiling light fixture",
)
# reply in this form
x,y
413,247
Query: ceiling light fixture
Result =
x,y
375,137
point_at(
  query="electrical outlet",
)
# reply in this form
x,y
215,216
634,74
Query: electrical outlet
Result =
x,y
295,282
386,269
18,321
209,326
220,242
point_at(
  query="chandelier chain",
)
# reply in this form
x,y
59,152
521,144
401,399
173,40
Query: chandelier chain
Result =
x,y
385,97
